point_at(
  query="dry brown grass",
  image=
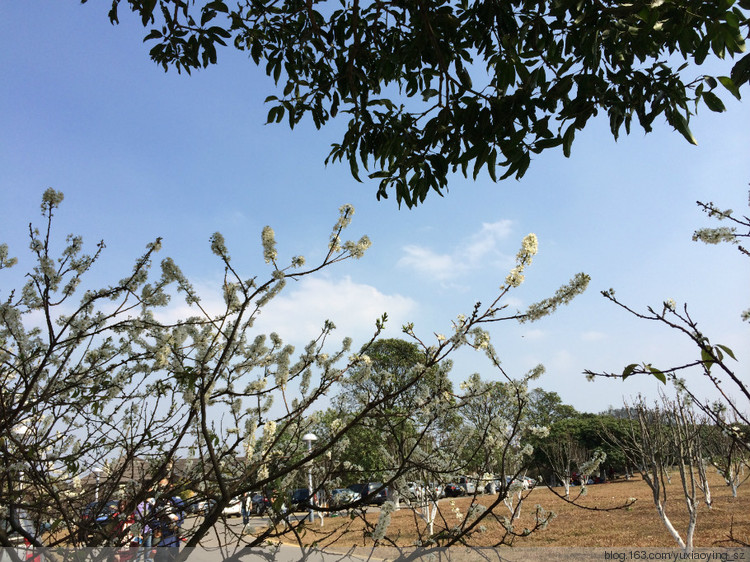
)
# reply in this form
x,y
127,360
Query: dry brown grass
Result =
x,y
636,526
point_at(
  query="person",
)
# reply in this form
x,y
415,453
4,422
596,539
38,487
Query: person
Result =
x,y
124,534
245,504
167,520
124,521
143,517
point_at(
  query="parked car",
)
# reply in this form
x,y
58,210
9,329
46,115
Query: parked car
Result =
x,y
435,491
374,493
98,519
453,490
492,487
260,504
415,491
197,506
343,496
468,484
233,508
525,482
300,499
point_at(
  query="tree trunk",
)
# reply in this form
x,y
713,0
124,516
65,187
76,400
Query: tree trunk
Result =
x,y
668,524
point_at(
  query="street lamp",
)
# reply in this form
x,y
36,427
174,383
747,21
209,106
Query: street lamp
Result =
x,y
97,473
309,438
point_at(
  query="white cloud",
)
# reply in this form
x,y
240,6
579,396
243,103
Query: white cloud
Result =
x,y
299,314
427,262
535,334
483,244
593,336
561,362
476,251
513,303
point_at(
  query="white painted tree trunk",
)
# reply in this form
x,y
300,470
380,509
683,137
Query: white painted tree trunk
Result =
x,y
429,512
703,479
396,500
672,531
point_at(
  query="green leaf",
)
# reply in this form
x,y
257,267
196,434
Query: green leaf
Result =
x,y
628,371
543,144
568,137
217,5
727,351
741,71
154,34
679,122
354,168
658,374
207,16
729,84
713,102
147,11
492,164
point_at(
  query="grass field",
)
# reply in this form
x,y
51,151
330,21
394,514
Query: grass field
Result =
x,y
636,526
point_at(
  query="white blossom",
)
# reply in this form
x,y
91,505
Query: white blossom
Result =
x,y
539,431
268,239
384,520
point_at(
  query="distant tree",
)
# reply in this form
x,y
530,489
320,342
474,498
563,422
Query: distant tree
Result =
x,y
561,453
573,442
431,88
662,435
391,441
725,452
546,407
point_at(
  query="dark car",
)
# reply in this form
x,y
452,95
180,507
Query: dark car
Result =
x,y
260,504
453,490
373,493
198,506
98,518
300,500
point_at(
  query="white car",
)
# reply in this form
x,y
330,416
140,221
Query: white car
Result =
x,y
233,508
343,496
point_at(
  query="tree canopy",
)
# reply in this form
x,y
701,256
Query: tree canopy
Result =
x,y
433,88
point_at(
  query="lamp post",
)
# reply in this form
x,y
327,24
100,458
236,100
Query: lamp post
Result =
x,y
309,438
97,473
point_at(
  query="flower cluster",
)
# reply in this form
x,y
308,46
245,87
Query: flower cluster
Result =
x,y
539,431
716,235
358,249
456,511
268,239
5,261
384,520
563,295
592,464
529,248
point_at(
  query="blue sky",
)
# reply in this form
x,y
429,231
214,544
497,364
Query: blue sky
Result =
x,y
141,154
